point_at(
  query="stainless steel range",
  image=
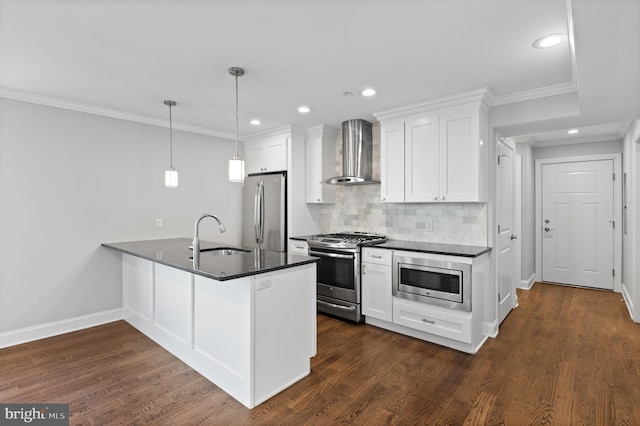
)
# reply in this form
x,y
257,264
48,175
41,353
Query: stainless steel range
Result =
x,y
339,291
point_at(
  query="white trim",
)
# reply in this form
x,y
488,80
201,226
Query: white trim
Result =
x,y
617,213
540,92
628,300
527,284
42,331
491,329
483,96
35,98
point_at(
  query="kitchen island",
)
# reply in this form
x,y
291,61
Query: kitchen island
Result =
x,y
245,319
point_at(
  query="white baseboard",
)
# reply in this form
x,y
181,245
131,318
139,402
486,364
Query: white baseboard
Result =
x,y
490,329
29,334
527,284
629,302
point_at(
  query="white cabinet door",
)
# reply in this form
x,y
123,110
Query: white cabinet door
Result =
x,y
459,145
376,291
422,159
267,155
392,158
320,165
376,283
314,171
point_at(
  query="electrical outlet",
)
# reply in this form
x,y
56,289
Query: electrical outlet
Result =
x,y
429,226
158,223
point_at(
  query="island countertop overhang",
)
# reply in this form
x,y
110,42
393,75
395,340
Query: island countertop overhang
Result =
x,y
175,252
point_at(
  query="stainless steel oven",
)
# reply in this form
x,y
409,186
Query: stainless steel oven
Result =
x,y
433,281
338,272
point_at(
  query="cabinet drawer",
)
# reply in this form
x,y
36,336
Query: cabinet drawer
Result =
x,y
298,247
456,326
379,256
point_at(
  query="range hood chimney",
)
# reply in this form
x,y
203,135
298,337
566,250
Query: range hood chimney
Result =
x,y
357,154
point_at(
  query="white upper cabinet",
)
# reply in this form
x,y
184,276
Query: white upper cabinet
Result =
x,y
422,159
266,155
437,152
320,159
392,161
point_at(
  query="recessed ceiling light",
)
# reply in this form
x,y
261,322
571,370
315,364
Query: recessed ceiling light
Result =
x,y
573,131
255,122
304,109
368,92
549,41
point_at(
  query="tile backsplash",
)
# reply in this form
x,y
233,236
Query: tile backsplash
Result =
x,y
359,208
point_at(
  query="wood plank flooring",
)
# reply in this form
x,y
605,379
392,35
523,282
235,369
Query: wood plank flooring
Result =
x,y
565,356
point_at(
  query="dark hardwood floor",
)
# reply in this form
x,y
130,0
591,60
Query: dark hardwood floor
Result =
x,y
565,356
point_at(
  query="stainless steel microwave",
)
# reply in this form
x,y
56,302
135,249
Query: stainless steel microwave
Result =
x,y
433,281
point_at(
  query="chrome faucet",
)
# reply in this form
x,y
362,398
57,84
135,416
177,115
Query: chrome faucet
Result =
x,y
196,240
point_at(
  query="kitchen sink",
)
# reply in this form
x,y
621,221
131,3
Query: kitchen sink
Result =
x,y
222,251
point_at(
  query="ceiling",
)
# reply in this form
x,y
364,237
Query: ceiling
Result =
x,y
122,58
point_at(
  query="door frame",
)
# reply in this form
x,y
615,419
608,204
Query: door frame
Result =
x,y
617,210
515,266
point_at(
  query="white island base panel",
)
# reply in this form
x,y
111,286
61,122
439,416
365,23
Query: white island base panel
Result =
x,y
252,336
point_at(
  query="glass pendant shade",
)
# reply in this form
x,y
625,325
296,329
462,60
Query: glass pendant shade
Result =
x,y
236,169
171,174
236,163
171,178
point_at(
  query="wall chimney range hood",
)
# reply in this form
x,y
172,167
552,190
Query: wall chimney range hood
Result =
x,y
357,154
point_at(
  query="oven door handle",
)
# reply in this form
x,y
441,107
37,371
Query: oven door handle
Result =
x,y
323,254
333,305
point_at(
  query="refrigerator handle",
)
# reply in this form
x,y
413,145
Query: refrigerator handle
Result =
x,y
259,212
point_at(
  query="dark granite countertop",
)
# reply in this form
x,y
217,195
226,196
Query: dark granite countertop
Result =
x,y
301,238
175,252
436,248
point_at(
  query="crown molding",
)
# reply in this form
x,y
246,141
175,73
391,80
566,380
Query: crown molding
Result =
x,y
322,130
289,129
541,92
35,98
484,97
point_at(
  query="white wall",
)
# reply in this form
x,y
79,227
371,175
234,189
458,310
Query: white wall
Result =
x,y
630,238
70,181
527,239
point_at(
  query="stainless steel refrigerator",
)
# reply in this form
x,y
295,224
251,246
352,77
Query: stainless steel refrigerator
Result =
x,y
264,211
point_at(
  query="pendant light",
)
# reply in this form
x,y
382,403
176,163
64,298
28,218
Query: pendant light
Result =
x,y
171,174
236,163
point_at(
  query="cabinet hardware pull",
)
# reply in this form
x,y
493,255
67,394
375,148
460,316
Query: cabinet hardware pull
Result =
x,y
375,256
364,269
428,321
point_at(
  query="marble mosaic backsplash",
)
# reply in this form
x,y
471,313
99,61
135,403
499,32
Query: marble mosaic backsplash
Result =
x,y
359,208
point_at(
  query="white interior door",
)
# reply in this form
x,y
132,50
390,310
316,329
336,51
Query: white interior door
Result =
x,y
578,223
505,213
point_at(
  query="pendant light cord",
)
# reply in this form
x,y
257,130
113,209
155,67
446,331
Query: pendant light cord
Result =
x,y
236,116
170,138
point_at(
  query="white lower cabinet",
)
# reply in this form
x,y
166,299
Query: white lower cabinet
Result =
x,y
448,327
376,283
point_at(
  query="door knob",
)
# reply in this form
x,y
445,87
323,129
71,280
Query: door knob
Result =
x,y
547,229
514,237
546,221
